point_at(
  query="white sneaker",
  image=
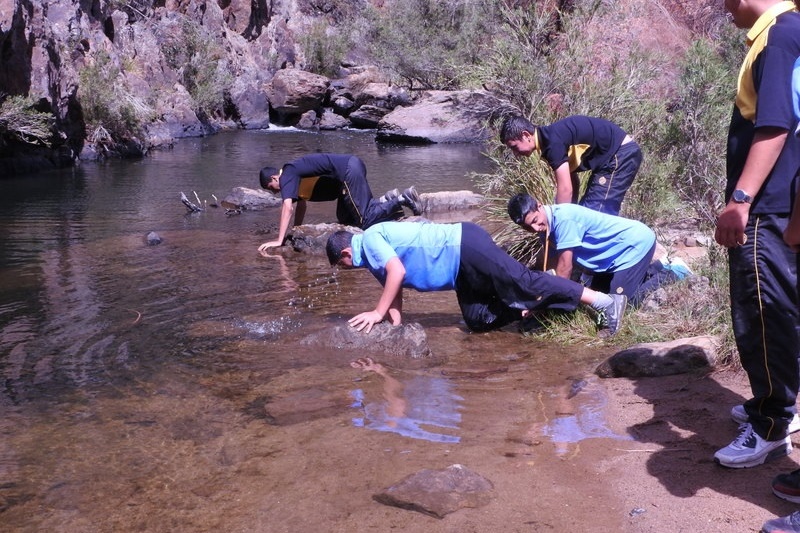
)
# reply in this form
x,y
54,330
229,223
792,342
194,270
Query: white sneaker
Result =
x,y
749,449
739,415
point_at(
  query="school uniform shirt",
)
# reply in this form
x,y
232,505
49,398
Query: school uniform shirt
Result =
x,y
599,242
588,143
764,99
429,252
315,177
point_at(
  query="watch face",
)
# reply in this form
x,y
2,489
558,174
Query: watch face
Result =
x,y
740,196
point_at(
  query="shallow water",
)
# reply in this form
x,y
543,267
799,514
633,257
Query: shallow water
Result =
x,y
165,388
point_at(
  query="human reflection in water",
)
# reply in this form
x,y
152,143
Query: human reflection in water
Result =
x,y
287,283
409,407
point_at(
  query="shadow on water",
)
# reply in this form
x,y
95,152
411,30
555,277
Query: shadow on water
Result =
x,y
134,375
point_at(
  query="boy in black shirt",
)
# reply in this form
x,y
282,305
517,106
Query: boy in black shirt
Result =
x,y
328,177
576,144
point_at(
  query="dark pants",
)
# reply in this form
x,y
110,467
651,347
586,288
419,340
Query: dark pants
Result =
x,y
764,299
631,281
356,206
493,288
608,184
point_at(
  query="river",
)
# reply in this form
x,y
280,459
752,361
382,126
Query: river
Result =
x,y
163,388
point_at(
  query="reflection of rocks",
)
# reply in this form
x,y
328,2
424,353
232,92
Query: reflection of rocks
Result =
x,y
408,340
438,493
661,358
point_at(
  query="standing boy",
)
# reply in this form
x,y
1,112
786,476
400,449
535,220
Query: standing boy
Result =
x,y
493,288
763,161
328,177
576,144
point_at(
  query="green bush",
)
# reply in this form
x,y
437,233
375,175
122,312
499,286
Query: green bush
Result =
x,y
324,48
427,43
110,111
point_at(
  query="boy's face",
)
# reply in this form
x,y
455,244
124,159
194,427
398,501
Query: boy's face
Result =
x,y
274,184
524,146
346,259
535,221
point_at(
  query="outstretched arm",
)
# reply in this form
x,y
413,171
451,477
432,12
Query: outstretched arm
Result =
x,y
566,185
391,295
287,207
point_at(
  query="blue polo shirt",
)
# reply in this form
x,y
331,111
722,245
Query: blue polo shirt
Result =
x,y
796,93
764,99
429,252
599,242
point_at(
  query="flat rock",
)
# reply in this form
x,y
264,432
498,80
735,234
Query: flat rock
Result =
x,y
438,493
661,358
406,340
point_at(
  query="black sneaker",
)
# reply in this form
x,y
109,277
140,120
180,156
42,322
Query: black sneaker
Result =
x,y
410,199
787,486
610,318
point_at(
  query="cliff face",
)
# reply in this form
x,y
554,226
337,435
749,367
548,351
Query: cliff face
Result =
x,y
164,69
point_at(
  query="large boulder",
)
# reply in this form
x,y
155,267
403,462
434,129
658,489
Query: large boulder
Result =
x,y
292,92
654,359
444,117
405,340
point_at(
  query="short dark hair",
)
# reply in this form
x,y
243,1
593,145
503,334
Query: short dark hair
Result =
x,y
266,174
514,126
337,242
520,205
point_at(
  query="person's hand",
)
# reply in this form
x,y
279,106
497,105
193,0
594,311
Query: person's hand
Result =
x,y
365,320
730,225
264,247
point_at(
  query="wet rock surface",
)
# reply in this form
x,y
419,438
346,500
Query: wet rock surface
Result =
x,y
438,493
406,340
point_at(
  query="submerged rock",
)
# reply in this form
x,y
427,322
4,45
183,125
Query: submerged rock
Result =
x,y
407,340
438,493
661,358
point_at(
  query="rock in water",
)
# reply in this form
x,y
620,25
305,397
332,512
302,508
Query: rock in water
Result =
x,y
438,493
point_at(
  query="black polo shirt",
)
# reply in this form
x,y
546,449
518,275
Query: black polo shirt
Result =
x,y
764,99
315,177
588,143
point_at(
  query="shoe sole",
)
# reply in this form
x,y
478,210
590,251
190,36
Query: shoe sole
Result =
x,y
780,451
784,496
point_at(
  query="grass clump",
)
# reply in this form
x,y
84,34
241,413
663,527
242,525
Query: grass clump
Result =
x,y
22,122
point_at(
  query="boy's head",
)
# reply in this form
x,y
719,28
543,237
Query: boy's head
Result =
x,y
339,249
517,133
269,178
527,213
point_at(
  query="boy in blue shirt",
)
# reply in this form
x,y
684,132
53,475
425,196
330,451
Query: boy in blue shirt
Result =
x,y
493,288
616,250
576,144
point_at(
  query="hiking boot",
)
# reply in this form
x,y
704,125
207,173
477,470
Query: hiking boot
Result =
x,y
410,199
739,415
787,486
610,319
749,449
784,524
388,196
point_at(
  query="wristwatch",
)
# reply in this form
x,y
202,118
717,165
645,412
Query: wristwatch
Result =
x,y
741,197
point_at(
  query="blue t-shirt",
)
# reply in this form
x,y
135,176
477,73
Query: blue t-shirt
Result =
x,y
599,242
429,252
